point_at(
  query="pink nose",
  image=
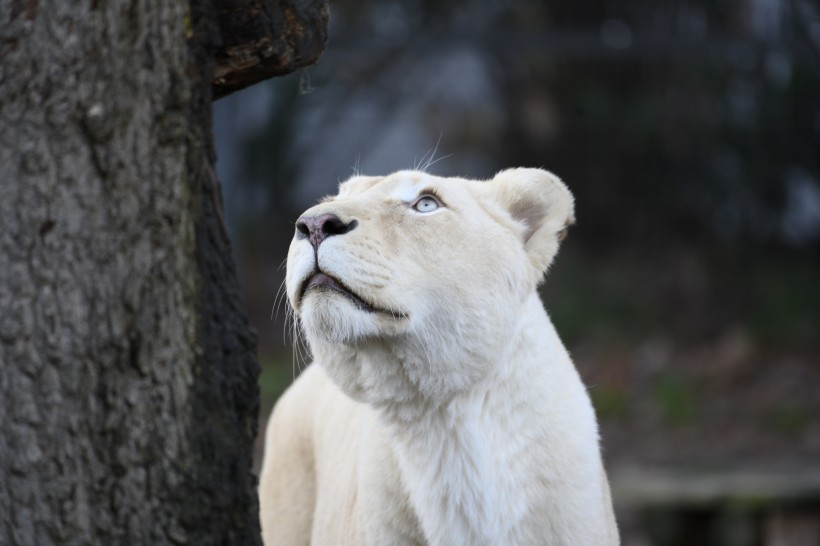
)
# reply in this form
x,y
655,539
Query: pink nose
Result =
x,y
319,228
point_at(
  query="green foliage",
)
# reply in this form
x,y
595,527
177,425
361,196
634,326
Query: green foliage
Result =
x,y
676,400
784,302
749,503
788,419
611,403
277,375
587,303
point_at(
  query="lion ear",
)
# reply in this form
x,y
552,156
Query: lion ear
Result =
x,y
543,204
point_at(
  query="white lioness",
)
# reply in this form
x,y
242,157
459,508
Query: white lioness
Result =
x,y
441,408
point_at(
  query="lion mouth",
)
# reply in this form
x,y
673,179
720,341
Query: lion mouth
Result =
x,y
322,281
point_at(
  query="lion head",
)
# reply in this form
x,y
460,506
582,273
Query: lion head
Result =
x,y
412,285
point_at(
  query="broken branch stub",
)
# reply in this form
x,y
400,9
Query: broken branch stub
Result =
x,y
265,38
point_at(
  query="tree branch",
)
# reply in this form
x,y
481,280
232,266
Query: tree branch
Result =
x,y
265,38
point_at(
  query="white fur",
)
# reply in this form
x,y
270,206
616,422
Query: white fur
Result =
x,y
454,415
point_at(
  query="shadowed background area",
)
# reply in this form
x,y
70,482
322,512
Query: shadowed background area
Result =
x,y
689,291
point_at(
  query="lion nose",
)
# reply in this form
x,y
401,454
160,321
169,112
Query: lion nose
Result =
x,y
319,228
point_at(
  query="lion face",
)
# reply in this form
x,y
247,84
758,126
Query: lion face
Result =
x,y
417,281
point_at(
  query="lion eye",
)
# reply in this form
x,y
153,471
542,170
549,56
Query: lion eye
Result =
x,y
426,203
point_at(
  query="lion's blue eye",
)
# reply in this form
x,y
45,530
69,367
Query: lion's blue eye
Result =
x,y
426,203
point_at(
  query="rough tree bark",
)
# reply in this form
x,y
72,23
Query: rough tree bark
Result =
x,y
264,38
128,390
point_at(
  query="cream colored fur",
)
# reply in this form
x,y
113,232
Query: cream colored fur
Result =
x,y
452,414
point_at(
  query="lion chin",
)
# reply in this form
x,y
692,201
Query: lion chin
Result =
x,y
441,407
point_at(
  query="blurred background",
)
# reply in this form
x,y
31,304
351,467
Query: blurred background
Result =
x,y
688,292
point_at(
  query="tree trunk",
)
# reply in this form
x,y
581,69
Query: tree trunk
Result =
x,y
128,393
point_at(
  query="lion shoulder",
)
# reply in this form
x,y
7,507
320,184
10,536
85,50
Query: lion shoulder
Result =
x,y
312,426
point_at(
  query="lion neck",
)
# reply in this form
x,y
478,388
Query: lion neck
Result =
x,y
455,474
455,452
